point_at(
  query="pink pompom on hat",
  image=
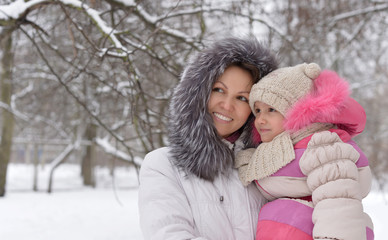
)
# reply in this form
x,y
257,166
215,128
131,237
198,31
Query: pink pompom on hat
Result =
x,y
304,94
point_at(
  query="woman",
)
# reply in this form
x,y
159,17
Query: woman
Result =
x,y
190,190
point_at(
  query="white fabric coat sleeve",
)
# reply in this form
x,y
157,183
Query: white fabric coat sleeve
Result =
x,y
164,210
332,176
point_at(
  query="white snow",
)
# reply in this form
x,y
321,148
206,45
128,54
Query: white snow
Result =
x,y
106,212
14,9
71,211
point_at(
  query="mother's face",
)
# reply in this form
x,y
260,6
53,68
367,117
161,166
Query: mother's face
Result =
x,y
228,104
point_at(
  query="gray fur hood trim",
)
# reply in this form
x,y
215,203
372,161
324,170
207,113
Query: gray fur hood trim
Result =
x,y
196,148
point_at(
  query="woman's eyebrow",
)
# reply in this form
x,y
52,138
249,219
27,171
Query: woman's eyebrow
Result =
x,y
222,84
245,92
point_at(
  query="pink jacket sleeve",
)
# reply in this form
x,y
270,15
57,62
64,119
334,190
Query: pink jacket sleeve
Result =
x,y
333,178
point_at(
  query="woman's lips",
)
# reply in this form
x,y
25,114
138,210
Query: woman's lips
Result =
x,y
222,117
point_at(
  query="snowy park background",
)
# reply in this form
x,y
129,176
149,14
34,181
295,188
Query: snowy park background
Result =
x,y
106,212
92,79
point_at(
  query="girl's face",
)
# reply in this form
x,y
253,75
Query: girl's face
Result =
x,y
228,103
268,122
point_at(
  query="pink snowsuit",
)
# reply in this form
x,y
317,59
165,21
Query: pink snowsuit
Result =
x,y
322,188
316,184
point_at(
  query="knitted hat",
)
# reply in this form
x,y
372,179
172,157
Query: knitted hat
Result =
x,y
283,87
303,95
310,100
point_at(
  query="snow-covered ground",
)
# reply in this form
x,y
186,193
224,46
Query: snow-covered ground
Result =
x,y
106,212
71,211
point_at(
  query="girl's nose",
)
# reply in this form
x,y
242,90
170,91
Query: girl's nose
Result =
x,y
260,119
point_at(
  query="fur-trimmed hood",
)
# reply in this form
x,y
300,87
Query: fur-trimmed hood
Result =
x,y
328,102
196,147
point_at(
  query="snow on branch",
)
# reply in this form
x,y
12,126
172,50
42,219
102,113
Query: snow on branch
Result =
x,y
100,23
155,20
63,155
15,112
37,118
342,16
172,32
109,149
59,160
17,9
20,8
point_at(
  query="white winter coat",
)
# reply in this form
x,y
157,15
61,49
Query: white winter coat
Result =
x,y
190,189
174,205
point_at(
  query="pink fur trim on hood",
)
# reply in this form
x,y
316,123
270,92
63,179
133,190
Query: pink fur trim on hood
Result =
x,y
352,118
324,104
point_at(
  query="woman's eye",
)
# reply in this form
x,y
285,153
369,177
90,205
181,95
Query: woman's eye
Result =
x,y
217,90
242,98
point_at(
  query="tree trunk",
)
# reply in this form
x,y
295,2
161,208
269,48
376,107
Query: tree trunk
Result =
x,y
58,161
89,157
7,117
36,165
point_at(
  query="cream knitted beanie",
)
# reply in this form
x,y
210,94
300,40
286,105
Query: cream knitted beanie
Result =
x,y
283,87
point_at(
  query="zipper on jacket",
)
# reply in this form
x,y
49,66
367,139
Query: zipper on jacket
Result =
x,y
221,197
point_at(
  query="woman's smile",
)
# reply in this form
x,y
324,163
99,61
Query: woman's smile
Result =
x,y
222,117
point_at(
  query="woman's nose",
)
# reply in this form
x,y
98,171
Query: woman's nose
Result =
x,y
227,104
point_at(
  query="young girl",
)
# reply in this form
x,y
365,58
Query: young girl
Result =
x,y
310,165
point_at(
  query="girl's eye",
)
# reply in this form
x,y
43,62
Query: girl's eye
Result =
x,y
257,110
216,89
272,110
242,98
